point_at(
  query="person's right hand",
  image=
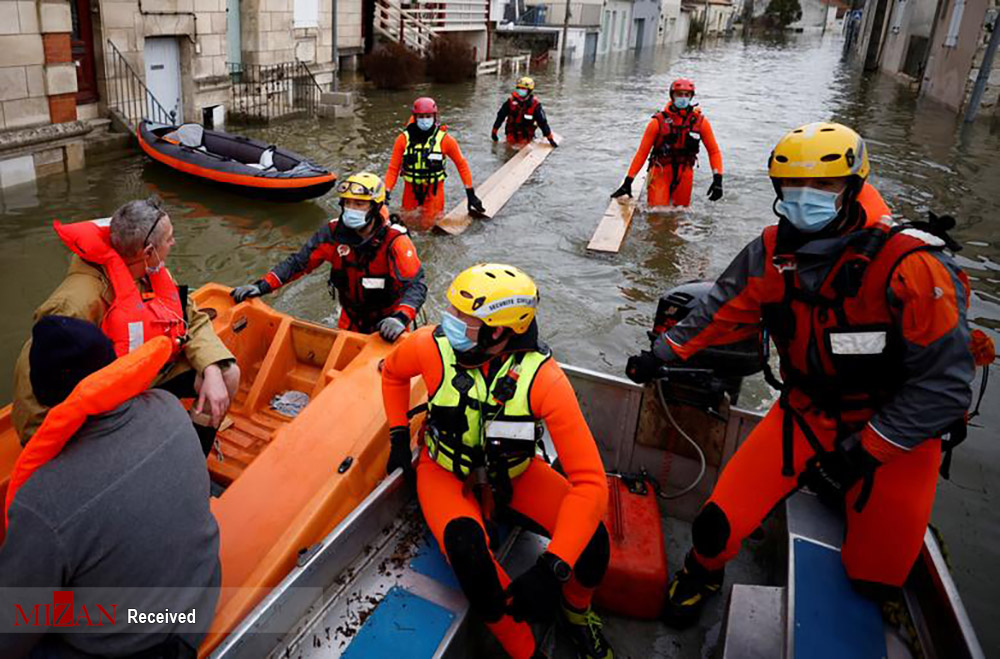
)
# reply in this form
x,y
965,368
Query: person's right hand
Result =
x,y
644,367
494,137
388,194
624,189
400,455
246,292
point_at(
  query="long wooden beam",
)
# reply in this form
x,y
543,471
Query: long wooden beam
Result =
x,y
500,186
610,233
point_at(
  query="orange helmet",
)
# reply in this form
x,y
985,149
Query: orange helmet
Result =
x,y
425,105
682,85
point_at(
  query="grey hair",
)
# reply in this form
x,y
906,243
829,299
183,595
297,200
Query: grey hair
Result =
x,y
130,225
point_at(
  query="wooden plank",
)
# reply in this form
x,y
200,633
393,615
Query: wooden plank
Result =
x,y
500,186
610,233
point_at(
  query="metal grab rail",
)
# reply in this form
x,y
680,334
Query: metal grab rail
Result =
x,y
128,94
264,92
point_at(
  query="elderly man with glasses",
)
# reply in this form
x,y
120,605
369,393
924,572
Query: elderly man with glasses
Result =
x,y
118,280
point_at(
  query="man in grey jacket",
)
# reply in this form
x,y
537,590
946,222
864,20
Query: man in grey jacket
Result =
x,y
120,517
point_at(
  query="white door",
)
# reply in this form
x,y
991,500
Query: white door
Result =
x,y
163,77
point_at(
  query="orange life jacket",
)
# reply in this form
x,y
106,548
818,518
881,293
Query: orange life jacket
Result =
x,y
521,122
99,392
364,279
839,344
679,139
132,319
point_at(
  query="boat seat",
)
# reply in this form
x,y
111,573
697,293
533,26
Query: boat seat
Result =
x,y
827,617
266,161
189,135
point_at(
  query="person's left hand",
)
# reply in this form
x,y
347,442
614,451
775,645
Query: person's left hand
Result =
x,y
213,395
552,141
715,190
644,367
391,327
831,474
534,596
475,203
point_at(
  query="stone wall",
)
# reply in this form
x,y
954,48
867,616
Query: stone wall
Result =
x,y
39,134
270,35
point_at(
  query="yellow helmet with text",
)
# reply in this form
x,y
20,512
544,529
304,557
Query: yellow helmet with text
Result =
x,y
819,150
364,186
526,82
499,295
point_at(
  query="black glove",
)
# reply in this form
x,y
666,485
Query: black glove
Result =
x,y
388,194
247,291
643,367
535,596
832,473
624,189
392,327
400,455
552,141
715,190
475,204
493,135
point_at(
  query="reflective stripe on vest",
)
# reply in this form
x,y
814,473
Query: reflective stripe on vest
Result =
x,y
131,320
99,392
513,423
423,162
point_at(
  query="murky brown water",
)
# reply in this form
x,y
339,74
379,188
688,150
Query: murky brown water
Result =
x,y
595,309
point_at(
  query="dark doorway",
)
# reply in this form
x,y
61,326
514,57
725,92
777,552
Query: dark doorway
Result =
x,y
82,48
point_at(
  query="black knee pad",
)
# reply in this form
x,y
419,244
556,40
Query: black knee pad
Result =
x,y
710,531
593,561
470,558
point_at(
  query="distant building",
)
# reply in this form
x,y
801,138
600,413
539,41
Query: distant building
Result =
x,y
937,45
674,22
717,16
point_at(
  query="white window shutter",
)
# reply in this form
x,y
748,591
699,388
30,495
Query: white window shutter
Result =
x,y
951,39
306,13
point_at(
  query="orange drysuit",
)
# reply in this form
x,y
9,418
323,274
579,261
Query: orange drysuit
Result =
x,y
427,197
569,508
883,355
671,136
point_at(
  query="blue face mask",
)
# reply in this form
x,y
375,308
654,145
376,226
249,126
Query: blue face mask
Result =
x,y
354,219
682,102
455,331
521,92
808,209
425,123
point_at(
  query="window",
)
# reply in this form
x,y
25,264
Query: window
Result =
x,y
306,13
951,38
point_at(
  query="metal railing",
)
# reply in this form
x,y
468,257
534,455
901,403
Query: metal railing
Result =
x,y
264,92
128,94
415,24
498,66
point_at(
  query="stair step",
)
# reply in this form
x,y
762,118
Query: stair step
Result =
x,y
754,627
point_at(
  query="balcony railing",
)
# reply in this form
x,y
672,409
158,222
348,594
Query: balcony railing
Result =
x,y
415,23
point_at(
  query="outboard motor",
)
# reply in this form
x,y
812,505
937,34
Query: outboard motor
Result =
x,y
703,380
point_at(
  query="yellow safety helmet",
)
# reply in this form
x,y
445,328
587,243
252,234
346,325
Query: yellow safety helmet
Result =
x,y
499,295
819,150
364,186
526,82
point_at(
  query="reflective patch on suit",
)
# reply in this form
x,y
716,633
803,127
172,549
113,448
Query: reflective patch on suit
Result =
x,y
373,283
857,343
523,430
136,335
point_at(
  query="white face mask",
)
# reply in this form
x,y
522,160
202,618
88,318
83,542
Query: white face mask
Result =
x,y
425,123
152,270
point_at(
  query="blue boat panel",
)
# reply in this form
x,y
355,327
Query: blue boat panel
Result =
x,y
832,620
402,626
430,562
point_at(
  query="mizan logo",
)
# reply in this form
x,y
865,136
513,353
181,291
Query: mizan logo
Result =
x,y
61,613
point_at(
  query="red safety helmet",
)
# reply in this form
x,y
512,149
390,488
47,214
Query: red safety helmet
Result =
x,y
682,85
425,105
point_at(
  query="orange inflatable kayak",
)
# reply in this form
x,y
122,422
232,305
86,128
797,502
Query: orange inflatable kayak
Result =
x,y
288,480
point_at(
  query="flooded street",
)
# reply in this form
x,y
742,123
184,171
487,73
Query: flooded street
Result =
x,y
595,309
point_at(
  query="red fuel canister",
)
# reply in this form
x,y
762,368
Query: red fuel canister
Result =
x,y
635,584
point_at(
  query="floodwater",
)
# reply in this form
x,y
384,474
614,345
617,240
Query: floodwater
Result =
x,y
595,309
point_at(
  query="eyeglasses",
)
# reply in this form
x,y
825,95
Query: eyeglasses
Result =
x,y
153,228
355,188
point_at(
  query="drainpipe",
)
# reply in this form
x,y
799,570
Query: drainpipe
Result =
x,y
565,32
984,73
335,53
